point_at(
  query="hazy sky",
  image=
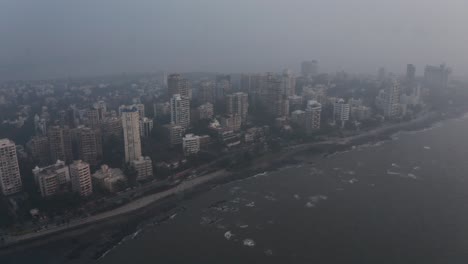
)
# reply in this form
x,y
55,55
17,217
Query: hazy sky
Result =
x,y
50,38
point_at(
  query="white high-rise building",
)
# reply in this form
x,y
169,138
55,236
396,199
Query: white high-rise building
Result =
x,y
131,128
312,116
289,83
180,110
10,178
80,176
191,144
341,111
388,100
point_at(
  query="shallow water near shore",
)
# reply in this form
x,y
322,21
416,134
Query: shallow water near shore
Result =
x,y
400,201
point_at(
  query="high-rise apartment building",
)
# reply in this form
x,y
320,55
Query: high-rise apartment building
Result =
x,y
80,176
52,179
341,111
131,129
146,126
312,116
144,168
309,68
191,144
206,92
410,73
175,134
180,110
237,103
178,85
388,100
436,77
275,101
10,178
111,126
38,146
60,144
90,145
289,83
205,111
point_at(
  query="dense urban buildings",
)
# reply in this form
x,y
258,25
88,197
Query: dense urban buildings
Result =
x,y
103,143
10,178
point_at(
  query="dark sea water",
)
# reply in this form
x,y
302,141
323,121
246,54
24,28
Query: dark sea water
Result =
x,y
400,201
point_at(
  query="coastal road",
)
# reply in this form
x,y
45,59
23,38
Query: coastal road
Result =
x,y
127,208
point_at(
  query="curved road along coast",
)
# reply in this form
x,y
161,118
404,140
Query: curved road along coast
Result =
x,y
189,184
129,207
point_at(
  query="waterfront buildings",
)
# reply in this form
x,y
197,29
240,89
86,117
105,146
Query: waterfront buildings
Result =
x,y
108,179
10,178
52,179
340,111
80,176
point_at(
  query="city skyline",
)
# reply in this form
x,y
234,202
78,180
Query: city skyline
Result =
x,y
49,40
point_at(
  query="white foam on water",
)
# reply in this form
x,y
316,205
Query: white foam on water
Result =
x,y
249,242
353,180
427,147
392,173
412,176
220,226
416,168
251,204
395,165
310,205
134,235
228,235
270,198
261,174
297,197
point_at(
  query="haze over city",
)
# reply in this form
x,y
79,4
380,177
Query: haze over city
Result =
x,y
47,39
